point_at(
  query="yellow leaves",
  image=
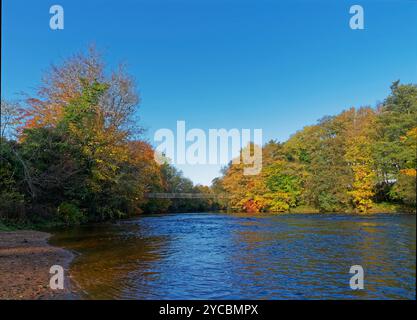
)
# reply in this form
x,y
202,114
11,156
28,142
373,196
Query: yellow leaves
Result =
x,y
359,157
362,188
410,137
408,172
412,133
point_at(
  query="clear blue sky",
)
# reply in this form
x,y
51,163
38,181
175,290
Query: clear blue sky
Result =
x,y
275,65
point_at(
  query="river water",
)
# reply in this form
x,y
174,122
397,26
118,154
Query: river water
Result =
x,y
242,256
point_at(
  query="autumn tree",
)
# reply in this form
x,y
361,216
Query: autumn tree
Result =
x,y
395,146
65,82
359,157
344,163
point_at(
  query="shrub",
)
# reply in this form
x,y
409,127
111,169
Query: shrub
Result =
x,y
71,214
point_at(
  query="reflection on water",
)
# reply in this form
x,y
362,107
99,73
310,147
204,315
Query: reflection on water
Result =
x,y
223,256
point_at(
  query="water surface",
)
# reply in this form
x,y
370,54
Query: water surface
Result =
x,y
241,256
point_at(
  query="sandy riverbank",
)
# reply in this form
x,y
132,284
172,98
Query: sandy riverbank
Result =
x,y
25,260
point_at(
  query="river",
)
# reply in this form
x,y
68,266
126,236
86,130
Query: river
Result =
x,y
243,256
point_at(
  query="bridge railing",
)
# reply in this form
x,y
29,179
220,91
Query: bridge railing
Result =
x,y
182,195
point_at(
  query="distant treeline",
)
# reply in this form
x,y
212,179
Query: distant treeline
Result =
x,y
73,152
362,160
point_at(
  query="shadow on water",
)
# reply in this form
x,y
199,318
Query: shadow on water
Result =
x,y
108,254
221,256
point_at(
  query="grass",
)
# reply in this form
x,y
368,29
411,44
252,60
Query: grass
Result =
x,y
4,227
45,224
304,209
385,207
28,225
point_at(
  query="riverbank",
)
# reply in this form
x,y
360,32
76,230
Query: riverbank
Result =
x,y
25,260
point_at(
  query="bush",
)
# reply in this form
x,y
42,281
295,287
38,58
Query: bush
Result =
x,y
71,214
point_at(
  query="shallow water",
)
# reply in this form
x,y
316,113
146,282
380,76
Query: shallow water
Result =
x,y
241,256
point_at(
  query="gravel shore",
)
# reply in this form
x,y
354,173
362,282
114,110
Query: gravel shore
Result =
x,y
25,260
